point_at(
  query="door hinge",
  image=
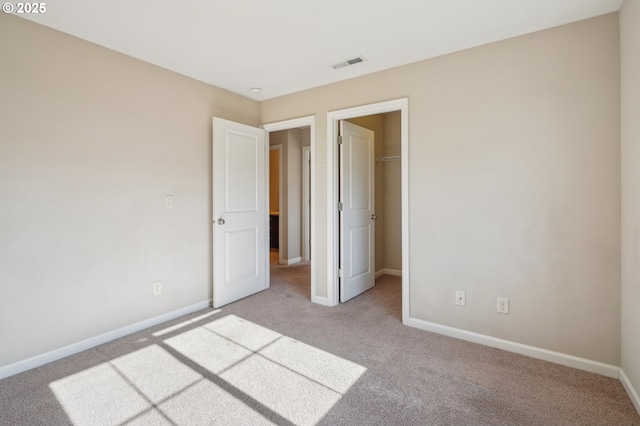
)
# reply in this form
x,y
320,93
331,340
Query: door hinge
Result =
x,y
340,273
339,140
340,206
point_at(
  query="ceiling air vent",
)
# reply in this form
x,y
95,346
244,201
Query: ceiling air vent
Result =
x,y
348,62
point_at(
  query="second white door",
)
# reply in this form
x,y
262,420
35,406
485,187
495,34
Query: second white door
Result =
x,y
357,218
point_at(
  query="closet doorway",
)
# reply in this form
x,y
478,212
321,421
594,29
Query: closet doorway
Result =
x,y
370,211
399,160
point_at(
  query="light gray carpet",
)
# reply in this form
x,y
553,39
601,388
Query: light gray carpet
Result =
x,y
276,358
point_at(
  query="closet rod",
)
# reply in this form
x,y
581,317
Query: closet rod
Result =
x,y
391,158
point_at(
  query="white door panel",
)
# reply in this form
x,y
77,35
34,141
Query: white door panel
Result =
x,y
357,192
239,212
241,170
242,245
359,179
359,236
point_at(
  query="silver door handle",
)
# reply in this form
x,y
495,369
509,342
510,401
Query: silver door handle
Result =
x,y
374,217
221,221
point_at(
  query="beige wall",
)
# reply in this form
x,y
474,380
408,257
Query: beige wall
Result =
x,y
514,184
305,135
630,136
294,194
91,141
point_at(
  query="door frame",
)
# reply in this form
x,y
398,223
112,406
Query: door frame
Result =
x,y
333,125
306,202
295,123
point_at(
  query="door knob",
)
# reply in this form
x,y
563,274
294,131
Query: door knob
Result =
x,y
374,217
221,221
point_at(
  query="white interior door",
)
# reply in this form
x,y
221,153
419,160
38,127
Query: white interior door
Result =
x,y
240,231
357,218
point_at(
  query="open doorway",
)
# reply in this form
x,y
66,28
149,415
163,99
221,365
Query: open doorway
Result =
x,y
293,217
371,237
333,181
286,184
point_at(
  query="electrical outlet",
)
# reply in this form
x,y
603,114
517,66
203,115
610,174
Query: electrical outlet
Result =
x,y
461,298
157,288
503,305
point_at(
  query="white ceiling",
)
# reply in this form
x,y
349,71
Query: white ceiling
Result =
x,y
284,46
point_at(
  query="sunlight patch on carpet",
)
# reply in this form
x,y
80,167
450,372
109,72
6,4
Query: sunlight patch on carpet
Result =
x,y
99,396
213,352
291,395
245,333
184,323
206,404
155,373
228,371
331,371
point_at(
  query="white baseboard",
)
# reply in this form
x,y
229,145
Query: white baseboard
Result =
x,y
507,345
387,271
290,261
74,348
633,394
